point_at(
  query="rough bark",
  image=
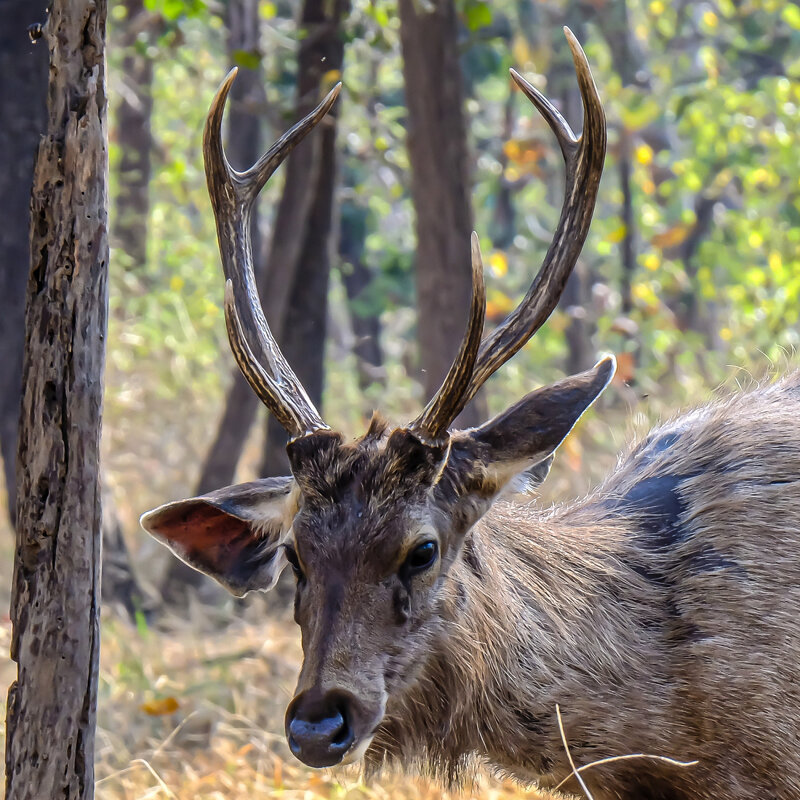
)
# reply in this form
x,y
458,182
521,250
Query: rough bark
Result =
x,y
23,93
437,150
133,134
54,608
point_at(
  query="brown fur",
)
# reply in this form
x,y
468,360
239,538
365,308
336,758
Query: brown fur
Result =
x,y
682,643
661,612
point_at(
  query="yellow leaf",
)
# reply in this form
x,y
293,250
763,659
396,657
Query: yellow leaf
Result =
x,y
644,293
652,262
498,263
710,19
755,239
657,7
512,149
775,261
176,283
616,236
498,305
671,236
644,154
520,51
158,708
726,334
331,76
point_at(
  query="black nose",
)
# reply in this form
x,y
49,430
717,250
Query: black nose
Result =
x,y
318,728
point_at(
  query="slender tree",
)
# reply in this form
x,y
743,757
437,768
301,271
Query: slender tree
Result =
x,y
243,149
51,707
23,95
440,187
301,326
134,134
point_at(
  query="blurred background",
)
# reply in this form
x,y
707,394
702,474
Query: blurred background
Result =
x,y
690,275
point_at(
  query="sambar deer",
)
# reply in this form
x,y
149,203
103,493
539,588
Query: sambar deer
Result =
x,y
442,624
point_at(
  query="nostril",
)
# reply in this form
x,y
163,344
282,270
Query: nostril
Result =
x,y
342,734
319,733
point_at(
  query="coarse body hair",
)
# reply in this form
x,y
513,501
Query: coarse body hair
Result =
x,y
661,613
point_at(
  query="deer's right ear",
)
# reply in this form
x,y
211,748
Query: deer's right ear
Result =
x,y
234,535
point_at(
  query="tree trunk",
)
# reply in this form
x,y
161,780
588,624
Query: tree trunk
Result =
x,y
437,150
134,136
357,278
575,300
304,326
300,323
243,148
23,93
55,597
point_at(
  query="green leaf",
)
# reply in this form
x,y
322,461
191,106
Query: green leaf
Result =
x,y
478,15
246,59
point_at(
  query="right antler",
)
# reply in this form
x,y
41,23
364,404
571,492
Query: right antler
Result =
x,y
232,196
583,158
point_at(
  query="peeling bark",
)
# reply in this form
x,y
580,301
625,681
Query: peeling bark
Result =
x,y
54,608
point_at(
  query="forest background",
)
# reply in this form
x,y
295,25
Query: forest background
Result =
x,y
690,275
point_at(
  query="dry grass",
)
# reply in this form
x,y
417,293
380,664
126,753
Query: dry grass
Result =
x,y
195,710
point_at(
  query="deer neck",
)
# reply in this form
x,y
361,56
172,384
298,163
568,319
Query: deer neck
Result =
x,y
540,612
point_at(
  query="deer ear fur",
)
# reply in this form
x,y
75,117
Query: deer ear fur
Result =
x,y
515,449
233,534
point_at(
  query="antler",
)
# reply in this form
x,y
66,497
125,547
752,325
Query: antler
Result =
x,y
583,160
232,196
448,402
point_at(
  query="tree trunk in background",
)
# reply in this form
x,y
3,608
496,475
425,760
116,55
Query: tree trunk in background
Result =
x,y
301,328
134,136
243,148
23,93
437,151
357,278
55,597
563,86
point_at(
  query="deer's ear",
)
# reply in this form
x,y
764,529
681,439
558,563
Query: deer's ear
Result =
x,y
233,534
519,443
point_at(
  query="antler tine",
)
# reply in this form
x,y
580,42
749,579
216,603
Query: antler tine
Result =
x,y
450,400
232,196
263,385
583,160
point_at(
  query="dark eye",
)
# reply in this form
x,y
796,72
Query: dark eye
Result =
x,y
294,561
422,557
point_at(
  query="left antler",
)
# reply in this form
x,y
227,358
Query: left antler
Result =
x,y
232,196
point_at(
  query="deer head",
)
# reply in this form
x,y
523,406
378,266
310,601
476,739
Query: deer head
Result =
x,y
370,528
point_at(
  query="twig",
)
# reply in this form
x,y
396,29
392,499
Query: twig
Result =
x,y
575,771
610,760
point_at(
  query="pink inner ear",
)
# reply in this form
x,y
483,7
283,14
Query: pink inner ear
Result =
x,y
205,536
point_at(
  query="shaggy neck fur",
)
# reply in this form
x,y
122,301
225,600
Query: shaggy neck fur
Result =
x,y
634,611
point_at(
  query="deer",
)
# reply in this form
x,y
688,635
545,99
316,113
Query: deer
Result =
x,y
443,621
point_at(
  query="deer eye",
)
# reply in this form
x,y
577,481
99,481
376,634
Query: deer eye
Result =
x,y
422,557
294,561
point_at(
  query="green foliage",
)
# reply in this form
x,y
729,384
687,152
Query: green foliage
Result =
x,y
176,9
711,117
